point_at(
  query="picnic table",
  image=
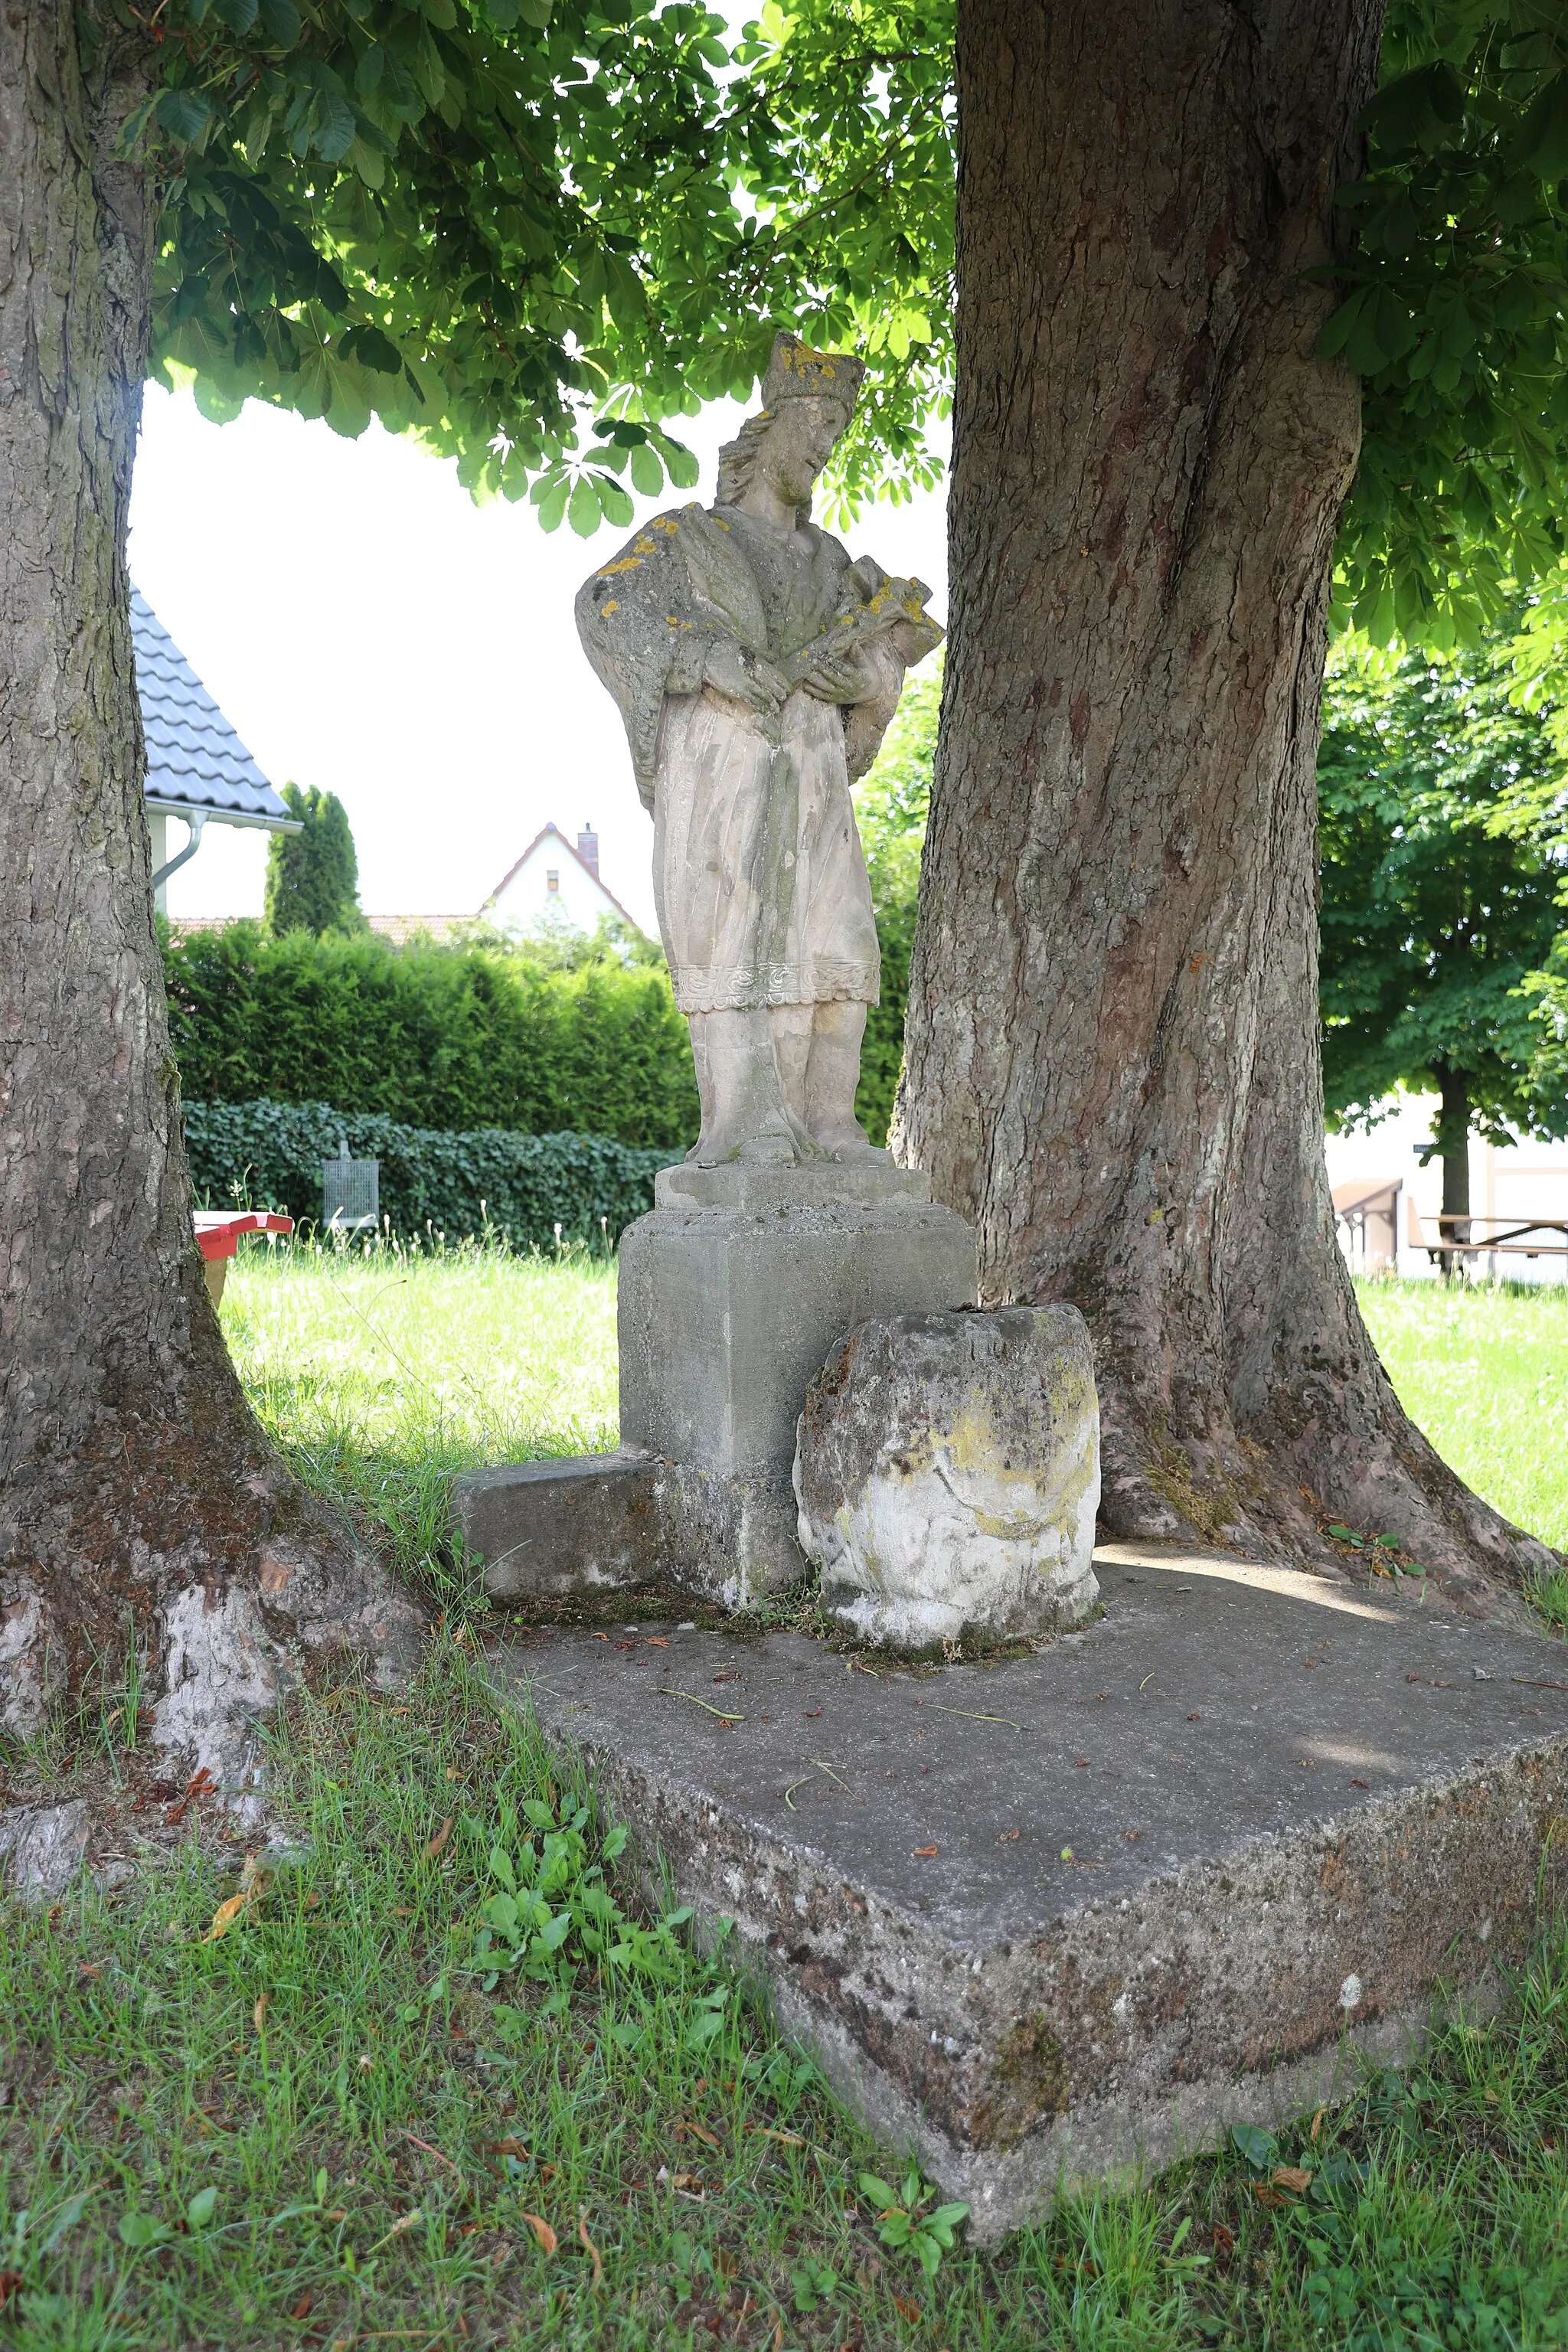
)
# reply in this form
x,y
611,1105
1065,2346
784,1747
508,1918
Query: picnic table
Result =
x,y
1509,1243
218,1238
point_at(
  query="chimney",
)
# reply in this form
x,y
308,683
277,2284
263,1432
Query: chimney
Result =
x,y
588,850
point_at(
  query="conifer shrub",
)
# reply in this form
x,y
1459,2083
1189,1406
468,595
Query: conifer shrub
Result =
x,y
460,1037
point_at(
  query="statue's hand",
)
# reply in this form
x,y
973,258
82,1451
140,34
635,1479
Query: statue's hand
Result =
x,y
836,681
745,677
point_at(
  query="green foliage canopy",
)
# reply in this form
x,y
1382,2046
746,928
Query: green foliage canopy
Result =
x,y
492,221
1455,318
536,231
312,876
1442,806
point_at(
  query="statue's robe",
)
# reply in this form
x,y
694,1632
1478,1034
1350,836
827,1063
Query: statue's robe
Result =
x,y
759,876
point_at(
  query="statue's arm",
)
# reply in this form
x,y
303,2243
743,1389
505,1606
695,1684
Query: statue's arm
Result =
x,y
869,714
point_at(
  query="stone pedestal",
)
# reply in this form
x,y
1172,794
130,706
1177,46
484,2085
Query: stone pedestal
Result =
x,y
732,1291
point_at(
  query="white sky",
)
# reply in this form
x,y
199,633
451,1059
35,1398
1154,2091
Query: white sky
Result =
x,y
366,629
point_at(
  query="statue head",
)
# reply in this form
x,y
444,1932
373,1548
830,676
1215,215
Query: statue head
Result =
x,y
808,400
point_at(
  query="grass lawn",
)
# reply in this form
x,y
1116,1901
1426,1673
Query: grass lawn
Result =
x,y
321,2128
1485,1373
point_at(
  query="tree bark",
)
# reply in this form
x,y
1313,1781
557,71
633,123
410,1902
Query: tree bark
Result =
x,y
1112,1061
139,1503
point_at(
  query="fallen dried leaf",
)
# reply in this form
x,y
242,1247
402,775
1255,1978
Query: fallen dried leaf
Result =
x,y
90,1967
586,2242
544,2236
925,1852
10,2289
263,2002
438,1845
1267,2194
1318,2121
1361,1784
1292,2176
656,1642
784,2139
906,2309
508,2146
225,1917
302,2310
1009,1837
698,2131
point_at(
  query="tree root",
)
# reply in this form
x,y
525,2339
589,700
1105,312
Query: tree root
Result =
x,y
1275,1488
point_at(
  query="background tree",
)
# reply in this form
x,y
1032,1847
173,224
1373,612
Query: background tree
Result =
x,y
312,876
892,802
1443,846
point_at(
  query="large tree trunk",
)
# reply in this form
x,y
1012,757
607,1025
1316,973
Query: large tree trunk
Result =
x,y
138,1501
1112,1044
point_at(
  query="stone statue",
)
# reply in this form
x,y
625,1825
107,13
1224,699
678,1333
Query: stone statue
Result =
x,y
756,669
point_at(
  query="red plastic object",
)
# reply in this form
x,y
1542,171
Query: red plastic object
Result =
x,y
218,1230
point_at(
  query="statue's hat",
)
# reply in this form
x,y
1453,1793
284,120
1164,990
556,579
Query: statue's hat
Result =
x,y
796,373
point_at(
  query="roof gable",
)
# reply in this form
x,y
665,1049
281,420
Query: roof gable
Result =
x,y
194,756
554,835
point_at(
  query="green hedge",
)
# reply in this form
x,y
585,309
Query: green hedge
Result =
x,y
437,1036
269,1155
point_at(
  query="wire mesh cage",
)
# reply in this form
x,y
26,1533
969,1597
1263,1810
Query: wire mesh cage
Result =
x,y
350,1192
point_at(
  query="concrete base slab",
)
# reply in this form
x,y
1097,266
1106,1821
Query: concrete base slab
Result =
x,y
1072,1914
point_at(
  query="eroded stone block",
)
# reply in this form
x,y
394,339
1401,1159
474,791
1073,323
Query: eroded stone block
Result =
x,y
947,1470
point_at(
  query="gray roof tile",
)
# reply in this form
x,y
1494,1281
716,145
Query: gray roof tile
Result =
x,y
192,754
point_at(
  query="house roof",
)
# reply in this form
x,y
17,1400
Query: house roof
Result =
x,y
554,832
194,758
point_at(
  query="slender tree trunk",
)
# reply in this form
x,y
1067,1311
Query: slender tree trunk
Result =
x,y
138,1501
1112,1044
1453,1141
